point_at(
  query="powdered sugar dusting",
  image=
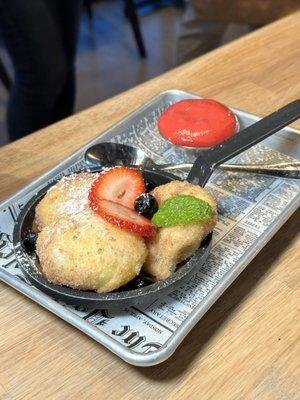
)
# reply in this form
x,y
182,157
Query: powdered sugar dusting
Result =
x,y
76,189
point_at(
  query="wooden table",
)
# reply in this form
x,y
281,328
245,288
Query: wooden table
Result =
x,y
245,347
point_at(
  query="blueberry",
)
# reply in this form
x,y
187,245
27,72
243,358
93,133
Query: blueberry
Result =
x,y
140,281
29,241
146,205
149,185
137,283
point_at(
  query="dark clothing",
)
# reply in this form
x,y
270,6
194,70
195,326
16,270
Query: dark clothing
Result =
x,y
40,36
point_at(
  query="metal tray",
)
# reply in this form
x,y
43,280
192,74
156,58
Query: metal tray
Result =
x,y
148,335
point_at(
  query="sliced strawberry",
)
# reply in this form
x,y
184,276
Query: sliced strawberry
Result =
x,y
123,217
119,184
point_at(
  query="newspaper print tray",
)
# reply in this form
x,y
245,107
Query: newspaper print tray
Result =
x,y
251,209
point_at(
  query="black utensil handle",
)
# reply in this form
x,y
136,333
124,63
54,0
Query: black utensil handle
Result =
x,y
208,160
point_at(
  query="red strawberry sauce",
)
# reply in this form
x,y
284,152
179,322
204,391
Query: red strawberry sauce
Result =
x,y
197,123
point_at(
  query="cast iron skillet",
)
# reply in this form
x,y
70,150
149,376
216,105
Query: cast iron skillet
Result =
x,y
202,169
124,296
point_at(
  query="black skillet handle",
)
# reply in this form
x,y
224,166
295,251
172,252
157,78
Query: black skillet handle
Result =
x,y
208,160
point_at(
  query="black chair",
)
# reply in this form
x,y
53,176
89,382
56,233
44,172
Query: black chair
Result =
x,y
130,12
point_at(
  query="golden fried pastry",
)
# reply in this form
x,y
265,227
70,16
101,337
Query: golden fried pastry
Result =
x,y
67,198
174,244
89,253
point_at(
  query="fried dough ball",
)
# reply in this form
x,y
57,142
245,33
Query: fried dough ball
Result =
x,y
67,198
174,244
76,247
88,253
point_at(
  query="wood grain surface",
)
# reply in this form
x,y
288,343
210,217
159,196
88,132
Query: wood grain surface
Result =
x,y
247,345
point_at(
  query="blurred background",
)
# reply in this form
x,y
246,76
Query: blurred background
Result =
x,y
122,43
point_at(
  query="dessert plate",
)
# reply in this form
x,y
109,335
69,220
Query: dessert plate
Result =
x,y
200,172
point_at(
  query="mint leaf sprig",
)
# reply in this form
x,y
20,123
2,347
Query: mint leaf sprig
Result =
x,y
181,210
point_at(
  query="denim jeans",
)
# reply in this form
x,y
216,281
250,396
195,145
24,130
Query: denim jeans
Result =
x,y
40,37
